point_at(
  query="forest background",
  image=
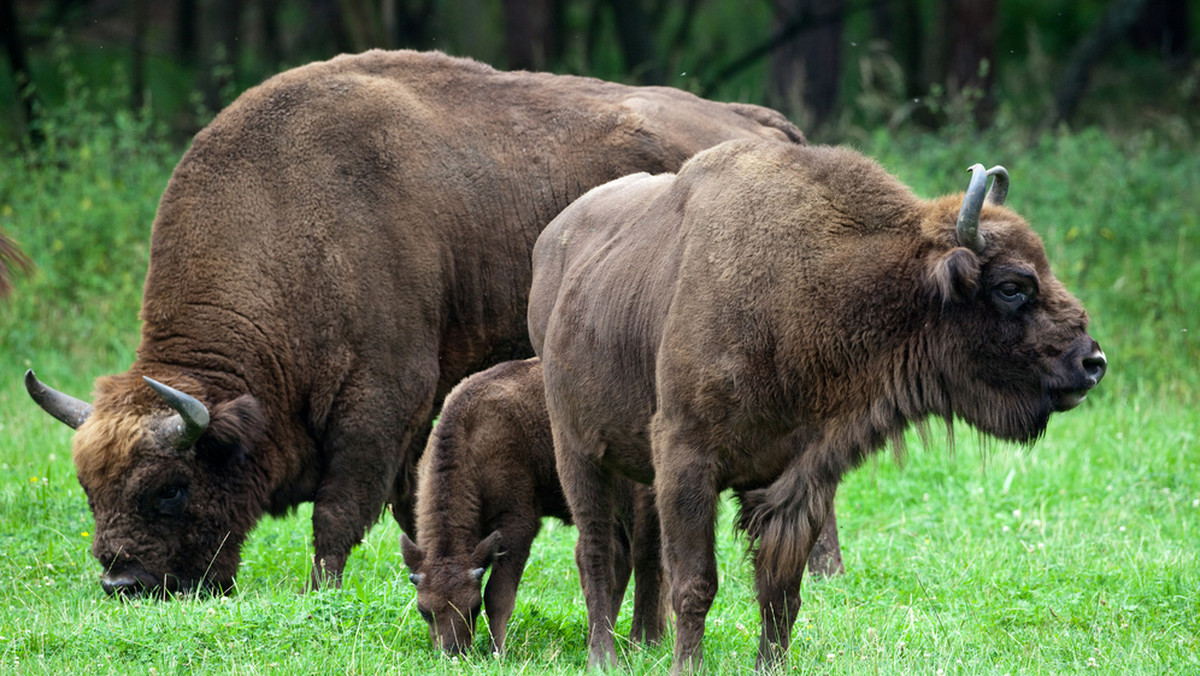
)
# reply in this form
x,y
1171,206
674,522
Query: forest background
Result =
x,y
1074,555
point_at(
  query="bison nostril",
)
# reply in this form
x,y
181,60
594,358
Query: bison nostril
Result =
x,y
1094,365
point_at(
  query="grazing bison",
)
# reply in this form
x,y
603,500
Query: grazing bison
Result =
x,y
338,248
486,480
765,320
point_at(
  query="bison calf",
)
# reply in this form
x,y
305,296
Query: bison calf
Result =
x,y
486,480
763,321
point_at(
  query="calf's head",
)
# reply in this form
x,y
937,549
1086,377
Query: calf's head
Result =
x,y
170,482
1011,343
448,589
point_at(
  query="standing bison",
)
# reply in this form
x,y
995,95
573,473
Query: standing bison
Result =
x,y
338,248
765,320
486,480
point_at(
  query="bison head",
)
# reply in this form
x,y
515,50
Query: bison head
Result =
x,y
448,590
172,484
1013,343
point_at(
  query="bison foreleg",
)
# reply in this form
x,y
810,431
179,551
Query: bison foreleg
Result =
x,y
500,595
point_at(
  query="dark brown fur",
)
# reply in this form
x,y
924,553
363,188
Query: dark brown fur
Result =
x,y
341,245
486,480
763,321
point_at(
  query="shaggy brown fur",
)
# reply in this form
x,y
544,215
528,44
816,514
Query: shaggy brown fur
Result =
x,y
12,260
343,244
763,321
486,480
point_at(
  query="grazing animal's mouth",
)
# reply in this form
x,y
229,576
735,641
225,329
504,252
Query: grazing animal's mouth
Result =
x,y
1069,399
139,584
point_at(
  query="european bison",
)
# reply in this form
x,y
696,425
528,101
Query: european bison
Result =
x,y
763,321
486,480
338,248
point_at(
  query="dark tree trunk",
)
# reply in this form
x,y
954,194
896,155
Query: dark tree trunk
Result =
x,y
1163,27
898,23
412,23
1115,23
272,39
137,85
14,49
636,35
186,37
970,56
531,28
805,70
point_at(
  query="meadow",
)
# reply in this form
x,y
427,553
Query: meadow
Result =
x,y
1077,554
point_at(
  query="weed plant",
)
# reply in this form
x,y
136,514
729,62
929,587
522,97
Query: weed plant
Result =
x,y
1075,555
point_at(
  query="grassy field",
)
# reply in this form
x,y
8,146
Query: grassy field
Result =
x,y
1075,555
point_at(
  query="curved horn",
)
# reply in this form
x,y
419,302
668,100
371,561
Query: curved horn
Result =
x,y
193,415
999,189
968,215
64,407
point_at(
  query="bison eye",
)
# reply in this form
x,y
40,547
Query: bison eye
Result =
x,y
428,616
1010,296
171,500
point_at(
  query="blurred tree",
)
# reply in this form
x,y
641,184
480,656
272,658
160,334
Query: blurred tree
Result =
x,y
14,49
806,68
1118,18
635,34
967,58
532,29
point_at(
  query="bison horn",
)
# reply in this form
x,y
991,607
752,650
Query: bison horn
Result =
x,y
999,189
968,215
64,407
193,415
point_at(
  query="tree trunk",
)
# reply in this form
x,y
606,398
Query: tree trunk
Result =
x,y
14,48
636,36
970,57
137,85
1116,22
530,32
805,70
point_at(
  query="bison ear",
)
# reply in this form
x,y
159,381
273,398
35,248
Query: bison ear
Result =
x,y
235,428
955,275
413,556
486,551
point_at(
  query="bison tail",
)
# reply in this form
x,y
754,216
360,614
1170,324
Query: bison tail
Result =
x,y
784,519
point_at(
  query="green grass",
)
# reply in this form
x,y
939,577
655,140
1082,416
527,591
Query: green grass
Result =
x,y
1076,555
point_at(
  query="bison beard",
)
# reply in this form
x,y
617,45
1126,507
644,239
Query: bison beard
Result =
x,y
342,245
772,315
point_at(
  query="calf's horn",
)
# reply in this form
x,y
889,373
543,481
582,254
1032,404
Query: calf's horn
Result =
x,y
193,416
64,407
968,215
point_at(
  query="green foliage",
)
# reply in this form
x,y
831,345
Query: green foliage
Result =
x,y
1076,555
